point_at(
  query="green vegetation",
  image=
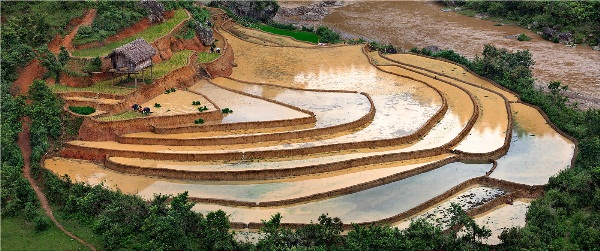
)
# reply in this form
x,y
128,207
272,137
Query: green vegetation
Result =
x,y
390,49
19,234
195,102
205,57
178,59
157,105
523,37
122,116
579,17
226,110
298,35
111,17
83,110
199,121
150,35
100,87
201,109
187,32
25,30
167,91
95,65
327,35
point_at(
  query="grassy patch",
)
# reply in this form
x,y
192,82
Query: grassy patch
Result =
x,y
122,116
178,59
100,87
204,57
150,35
298,35
18,234
80,230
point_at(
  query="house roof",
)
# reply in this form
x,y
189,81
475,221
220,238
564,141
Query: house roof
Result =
x,y
136,51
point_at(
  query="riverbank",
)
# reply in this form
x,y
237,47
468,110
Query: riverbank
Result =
x,y
409,24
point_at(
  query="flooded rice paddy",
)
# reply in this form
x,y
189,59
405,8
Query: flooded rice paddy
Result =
x,y
536,152
413,122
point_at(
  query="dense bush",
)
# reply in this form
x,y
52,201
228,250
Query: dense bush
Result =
x,y
95,65
523,37
83,110
327,35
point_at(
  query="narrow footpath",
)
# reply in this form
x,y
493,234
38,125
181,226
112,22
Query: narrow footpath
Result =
x,y
32,71
24,144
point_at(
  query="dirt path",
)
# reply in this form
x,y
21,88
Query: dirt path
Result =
x,y
87,19
25,146
35,70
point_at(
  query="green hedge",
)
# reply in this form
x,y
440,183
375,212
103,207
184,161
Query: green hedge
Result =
x,y
83,110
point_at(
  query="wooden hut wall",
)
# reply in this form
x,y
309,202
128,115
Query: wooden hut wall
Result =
x,y
143,64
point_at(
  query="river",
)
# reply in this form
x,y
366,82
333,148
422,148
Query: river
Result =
x,y
410,24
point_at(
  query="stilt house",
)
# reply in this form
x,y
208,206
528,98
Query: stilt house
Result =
x,y
132,57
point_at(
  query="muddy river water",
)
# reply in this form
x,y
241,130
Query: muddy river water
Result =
x,y
410,24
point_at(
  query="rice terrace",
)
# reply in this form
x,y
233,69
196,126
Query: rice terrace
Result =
x,y
269,129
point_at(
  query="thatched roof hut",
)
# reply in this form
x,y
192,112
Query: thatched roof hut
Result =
x,y
132,57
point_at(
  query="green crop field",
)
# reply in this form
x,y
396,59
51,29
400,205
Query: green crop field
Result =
x,y
150,35
298,35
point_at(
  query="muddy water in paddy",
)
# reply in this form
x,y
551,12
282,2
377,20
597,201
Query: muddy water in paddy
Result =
x,y
179,102
418,23
330,108
93,174
403,105
536,151
368,205
489,131
281,189
246,108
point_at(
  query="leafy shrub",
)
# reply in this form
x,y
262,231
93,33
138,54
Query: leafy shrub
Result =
x,y
523,37
327,35
390,49
95,65
195,102
167,91
226,110
157,105
83,110
199,121
41,223
201,109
